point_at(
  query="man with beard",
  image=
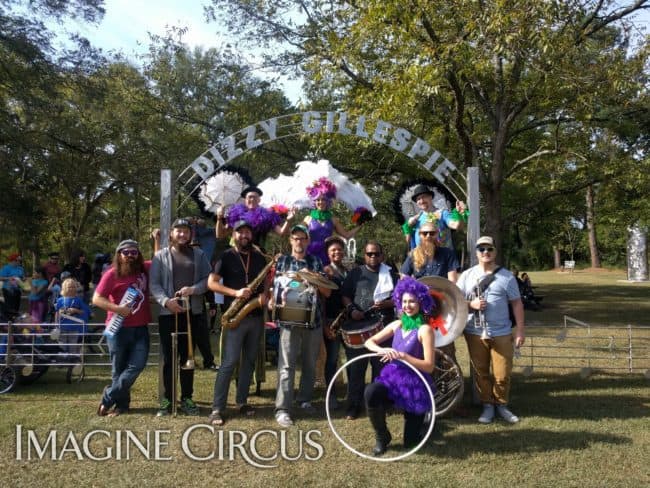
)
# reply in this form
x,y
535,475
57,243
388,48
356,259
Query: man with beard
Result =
x,y
129,346
429,259
179,271
297,340
237,267
366,295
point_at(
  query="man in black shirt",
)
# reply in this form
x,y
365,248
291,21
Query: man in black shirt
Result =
x,y
238,266
367,296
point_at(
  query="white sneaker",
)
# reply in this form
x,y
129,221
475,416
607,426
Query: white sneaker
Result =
x,y
283,419
487,416
507,415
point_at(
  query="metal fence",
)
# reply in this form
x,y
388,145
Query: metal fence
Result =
x,y
588,348
28,349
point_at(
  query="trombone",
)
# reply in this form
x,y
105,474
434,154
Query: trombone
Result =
x,y
189,364
479,315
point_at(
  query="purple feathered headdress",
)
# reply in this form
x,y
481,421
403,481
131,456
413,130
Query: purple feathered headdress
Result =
x,y
416,288
322,187
261,219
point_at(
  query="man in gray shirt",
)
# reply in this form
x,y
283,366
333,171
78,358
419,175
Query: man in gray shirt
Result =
x,y
489,329
179,271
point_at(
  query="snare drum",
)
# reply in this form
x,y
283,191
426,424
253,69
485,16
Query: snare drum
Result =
x,y
356,332
295,303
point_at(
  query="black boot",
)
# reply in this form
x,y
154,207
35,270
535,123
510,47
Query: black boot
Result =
x,y
412,429
377,418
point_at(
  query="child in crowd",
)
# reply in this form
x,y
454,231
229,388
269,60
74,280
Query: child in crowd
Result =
x,y
53,294
72,315
38,296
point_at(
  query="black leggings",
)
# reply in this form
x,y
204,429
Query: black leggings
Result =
x,y
376,397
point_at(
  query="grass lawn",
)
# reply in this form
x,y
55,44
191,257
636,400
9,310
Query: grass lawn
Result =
x,y
601,297
574,431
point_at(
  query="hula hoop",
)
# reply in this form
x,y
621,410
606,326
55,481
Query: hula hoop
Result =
x,y
359,453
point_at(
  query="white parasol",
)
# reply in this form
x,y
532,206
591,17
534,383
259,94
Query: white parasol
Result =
x,y
221,189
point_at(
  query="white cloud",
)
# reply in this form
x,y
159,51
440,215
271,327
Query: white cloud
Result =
x,y
127,24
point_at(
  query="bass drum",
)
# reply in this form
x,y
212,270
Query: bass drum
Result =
x,y
295,303
449,382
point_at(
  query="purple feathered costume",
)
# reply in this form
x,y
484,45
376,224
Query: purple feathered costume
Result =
x,y
405,388
261,219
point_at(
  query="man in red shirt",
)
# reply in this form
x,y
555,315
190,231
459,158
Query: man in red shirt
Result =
x,y
129,344
52,267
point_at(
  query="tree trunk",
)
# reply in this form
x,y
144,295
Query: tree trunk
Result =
x,y
591,229
557,262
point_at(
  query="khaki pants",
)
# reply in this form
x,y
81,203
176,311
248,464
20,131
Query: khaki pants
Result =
x,y
495,387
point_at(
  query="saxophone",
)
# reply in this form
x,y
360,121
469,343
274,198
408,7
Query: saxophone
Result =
x,y
240,308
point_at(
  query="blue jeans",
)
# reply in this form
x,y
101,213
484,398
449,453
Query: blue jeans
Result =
x,y
129,350
244,342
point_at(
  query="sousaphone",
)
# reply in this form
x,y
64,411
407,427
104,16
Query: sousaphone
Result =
x,y
451,314
450,306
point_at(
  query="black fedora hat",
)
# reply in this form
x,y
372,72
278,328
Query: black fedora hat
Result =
x,y
419,190
249,189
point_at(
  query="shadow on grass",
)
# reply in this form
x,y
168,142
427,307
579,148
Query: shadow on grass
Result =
x,y
572,397
517,441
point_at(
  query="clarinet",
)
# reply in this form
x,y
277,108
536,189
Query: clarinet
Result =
x,y
129,299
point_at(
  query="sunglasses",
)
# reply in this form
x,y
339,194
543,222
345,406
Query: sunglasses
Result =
x,y
485,249
373,254
129,252
427,233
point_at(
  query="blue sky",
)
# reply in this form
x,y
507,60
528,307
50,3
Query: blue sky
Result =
x,y
127,24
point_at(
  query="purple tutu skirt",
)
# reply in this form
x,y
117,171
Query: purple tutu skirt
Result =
x,y
405,389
